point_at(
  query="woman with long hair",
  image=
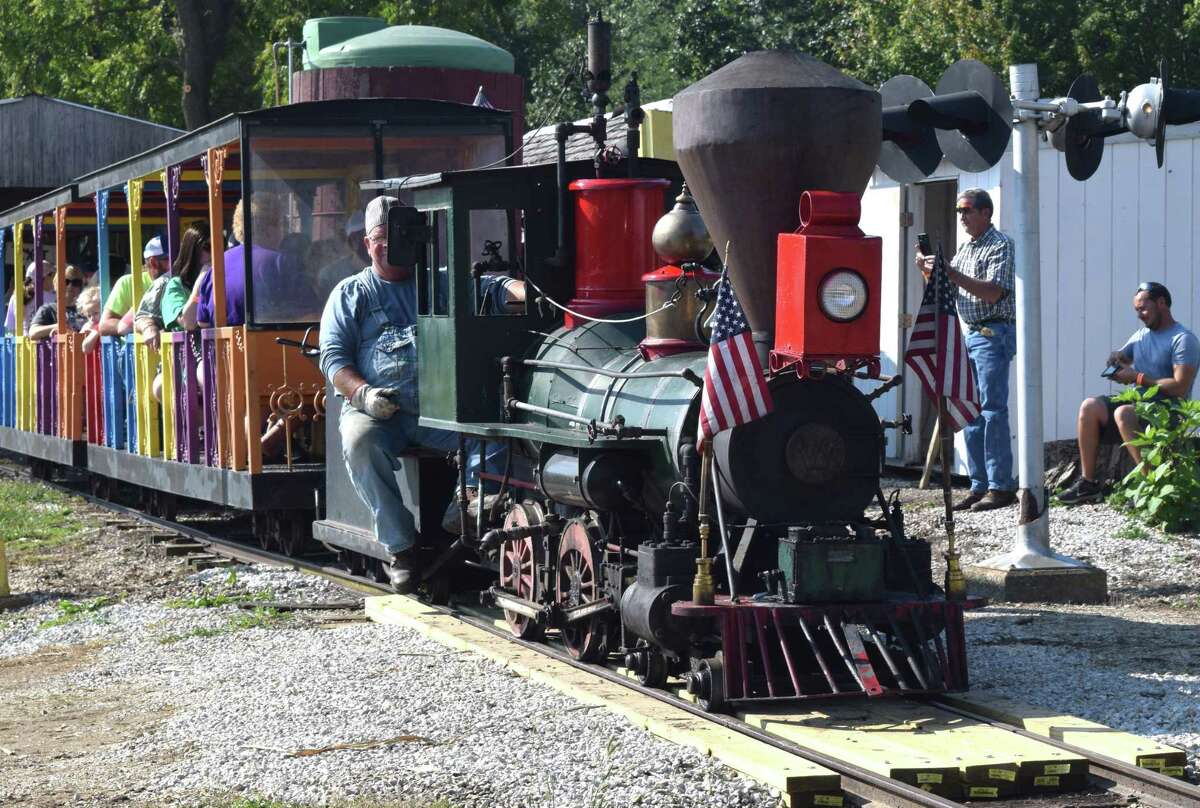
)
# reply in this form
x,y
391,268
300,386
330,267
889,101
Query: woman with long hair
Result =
x,y
195,253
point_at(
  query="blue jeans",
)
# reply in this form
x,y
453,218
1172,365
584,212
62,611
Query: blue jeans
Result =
x,y
370,448
989,441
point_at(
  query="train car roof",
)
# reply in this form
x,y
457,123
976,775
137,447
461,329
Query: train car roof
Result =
x,y
576,169
324,113
230,129
40,204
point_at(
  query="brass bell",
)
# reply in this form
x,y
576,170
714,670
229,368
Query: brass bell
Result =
x,y
680,236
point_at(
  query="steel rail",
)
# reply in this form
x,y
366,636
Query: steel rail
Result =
x,y
1149,786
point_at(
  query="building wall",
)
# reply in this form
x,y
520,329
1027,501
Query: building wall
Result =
x,y
48,142
1129,222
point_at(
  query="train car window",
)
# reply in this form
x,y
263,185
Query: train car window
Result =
x,y
412,151
304,236
439,261
497,288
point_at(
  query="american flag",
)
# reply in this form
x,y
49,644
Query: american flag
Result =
x,y
938,353
734,389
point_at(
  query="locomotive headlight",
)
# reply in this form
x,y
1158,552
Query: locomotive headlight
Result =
x,y
843,295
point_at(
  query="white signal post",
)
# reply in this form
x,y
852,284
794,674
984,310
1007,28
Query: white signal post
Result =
x,y
1031,548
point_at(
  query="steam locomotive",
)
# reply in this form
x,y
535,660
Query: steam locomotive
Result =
x,y
597,530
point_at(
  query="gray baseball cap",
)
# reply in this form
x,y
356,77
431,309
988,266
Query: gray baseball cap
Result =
x,y
377,211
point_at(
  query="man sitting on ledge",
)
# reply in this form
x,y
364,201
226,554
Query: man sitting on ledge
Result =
x,y
1163,354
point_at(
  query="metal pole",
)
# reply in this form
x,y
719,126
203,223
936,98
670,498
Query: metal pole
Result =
x,y
1031,548
290,44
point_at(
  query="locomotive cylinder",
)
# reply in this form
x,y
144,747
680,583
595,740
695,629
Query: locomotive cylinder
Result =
x,y
646,612
592,483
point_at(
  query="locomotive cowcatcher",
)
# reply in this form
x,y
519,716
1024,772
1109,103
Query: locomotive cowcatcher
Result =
x,y
593,529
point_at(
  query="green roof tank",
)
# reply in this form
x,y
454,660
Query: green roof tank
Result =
x,y
371,42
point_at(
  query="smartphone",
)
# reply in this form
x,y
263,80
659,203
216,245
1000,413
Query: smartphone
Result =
x,y
923,244
1108,372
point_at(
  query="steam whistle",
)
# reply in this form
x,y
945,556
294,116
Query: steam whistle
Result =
x,y
971,113
910,150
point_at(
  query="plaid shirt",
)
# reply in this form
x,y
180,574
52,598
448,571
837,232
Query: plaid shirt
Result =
x,y
987,258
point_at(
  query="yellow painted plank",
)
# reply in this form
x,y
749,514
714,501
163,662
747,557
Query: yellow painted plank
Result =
x,y
1089,735
814,729
805,782
993,761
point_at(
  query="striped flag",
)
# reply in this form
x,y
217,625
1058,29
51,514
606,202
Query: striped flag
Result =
x,y
734,388
937,352
481,99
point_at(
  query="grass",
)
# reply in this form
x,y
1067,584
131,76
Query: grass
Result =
x,y
1131,530
71,610
209,599
259,618
34,518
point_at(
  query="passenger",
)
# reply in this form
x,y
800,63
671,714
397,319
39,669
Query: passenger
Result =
x,y
1163,354
46,318
368,353
353,258
48,295
280,290
89,306
147,317
113,322
163,303
163,310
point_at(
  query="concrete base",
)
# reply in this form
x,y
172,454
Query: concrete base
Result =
x,y
1054,585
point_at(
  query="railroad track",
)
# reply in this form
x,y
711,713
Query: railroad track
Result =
x,y
865,787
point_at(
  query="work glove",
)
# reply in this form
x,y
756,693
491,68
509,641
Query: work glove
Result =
x,y
377,402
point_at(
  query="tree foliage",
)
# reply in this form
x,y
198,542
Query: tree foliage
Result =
x,y
136,56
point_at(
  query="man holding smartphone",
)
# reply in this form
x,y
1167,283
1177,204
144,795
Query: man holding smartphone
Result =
x,y
982,270
1162,354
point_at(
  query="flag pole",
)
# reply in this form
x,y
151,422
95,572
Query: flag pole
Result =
x,y
703,589
956,584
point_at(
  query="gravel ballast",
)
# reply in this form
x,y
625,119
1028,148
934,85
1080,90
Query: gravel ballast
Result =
x,y
140,703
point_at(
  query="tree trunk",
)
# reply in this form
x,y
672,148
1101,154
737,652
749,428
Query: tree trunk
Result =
x,y
203,26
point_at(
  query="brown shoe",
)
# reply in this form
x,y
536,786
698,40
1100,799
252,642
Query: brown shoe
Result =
x,y
966,502
995,499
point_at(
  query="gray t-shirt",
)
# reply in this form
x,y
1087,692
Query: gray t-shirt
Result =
x,y
1156,353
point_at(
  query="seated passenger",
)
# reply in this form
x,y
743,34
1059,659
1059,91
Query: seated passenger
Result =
x,y
147,317
194,255
281,292
46,318
368,353
1163,354
113,321
48,296
351,257
89,306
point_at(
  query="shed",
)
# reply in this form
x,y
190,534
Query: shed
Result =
x,y
48,142
1130,222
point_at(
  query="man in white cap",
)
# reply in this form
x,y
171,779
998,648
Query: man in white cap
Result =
x,y
369,354
120,301
48,295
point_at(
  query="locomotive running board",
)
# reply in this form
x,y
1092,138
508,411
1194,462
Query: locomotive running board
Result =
x,y
785,652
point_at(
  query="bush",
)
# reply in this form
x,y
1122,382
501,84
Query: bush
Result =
x,y
1168,495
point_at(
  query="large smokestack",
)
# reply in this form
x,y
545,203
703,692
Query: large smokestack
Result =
x,y
752,137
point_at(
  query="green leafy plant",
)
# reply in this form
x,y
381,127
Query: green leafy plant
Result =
x,y
71,610
209,599
1165,490
1131,530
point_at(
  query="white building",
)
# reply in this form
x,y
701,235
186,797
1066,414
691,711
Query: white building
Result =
x,y
1130,222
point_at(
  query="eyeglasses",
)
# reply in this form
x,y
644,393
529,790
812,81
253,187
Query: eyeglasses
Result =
x,y
74,282
961,211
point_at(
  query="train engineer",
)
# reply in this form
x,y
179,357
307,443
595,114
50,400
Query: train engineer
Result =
x,y
369,355
1163,354
983,271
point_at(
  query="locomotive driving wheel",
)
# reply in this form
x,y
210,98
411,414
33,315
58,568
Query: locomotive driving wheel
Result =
x,y
518,568
578,583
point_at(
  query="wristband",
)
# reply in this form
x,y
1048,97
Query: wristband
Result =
x,y
1141,380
